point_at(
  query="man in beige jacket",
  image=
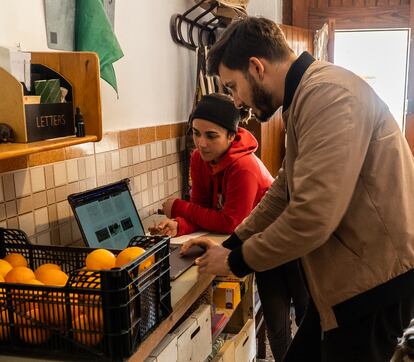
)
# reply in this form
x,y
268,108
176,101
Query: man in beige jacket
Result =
x,y
342,202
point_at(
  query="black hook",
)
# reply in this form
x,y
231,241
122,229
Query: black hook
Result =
x,y
177,20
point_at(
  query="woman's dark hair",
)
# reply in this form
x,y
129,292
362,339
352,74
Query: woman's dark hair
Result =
x,y
246,38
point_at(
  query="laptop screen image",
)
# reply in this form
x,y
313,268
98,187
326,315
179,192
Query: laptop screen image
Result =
x,y
107,216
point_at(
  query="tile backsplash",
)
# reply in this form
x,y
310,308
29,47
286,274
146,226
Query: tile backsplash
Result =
x,y
34,198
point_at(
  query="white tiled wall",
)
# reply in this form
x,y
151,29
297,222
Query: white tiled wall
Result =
x,y
35,199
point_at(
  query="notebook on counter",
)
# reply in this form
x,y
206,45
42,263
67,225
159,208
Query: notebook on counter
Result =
x,y
107,218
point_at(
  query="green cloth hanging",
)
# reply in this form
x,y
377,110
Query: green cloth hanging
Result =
x,y
93,32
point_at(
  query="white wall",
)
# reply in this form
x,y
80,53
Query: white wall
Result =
x,y
271,9
155,76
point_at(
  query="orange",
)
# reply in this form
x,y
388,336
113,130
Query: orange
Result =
x,y
5,267
85,332
100,259
29,331
19,274
127,255
16,259
54,308
25,300
4,325
45,267
53,277
1,279
95,316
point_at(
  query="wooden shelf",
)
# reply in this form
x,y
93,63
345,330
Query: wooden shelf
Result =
x,y
81,70
9,150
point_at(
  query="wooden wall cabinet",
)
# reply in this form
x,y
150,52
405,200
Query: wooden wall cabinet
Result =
x,y
81,70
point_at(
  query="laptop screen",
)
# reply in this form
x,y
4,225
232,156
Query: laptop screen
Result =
x,y
107,216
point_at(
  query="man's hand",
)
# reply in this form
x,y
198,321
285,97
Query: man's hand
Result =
x,y
167,207
201,241
213,261
166,227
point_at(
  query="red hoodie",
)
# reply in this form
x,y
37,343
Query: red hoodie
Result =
x,y
222,195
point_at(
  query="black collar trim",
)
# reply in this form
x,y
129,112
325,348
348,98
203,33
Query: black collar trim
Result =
x,y
294,75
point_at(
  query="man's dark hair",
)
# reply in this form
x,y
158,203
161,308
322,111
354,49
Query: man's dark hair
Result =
x,y
246,38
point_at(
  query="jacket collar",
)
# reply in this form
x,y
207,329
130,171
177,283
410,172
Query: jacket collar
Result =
x,y
294,76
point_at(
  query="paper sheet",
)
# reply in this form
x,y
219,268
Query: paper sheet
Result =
x,y
182,239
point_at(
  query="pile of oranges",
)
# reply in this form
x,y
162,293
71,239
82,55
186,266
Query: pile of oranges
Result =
x,y
33,308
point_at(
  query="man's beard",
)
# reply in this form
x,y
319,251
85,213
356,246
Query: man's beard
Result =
x,y
262,101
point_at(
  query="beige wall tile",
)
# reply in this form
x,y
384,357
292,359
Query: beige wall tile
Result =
x,y
13,223
138,200
109,142
37,175
161,191
153,146
76,234
161,175
54,237
2,211
53,218
59,173
91,183
90,167
154,177
22,183
83,185
41,219
145,198
123,158
49,177
3,224
100,164
11,209
124,172
65,233
135,155
51,198
44,239
81,168
115,160
155,194
8,184
159,148
72,170
73,188
79,150
24,205
39,199
144,181
26,223
142,153
61,193
63,212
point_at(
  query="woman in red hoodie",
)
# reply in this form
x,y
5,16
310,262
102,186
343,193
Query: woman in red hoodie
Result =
x,y
228,180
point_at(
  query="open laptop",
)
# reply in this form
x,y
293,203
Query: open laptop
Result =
x,y
107,218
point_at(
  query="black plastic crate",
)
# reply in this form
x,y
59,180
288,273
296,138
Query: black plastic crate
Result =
x,y
96,315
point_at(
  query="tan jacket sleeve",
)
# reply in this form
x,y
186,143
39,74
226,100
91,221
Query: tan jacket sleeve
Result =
x,y
332,134
267,210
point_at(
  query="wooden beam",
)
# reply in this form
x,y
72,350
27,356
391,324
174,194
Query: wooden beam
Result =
x,y
300,13
361,18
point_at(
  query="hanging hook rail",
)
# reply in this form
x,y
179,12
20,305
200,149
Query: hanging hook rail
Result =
x,y
205,29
